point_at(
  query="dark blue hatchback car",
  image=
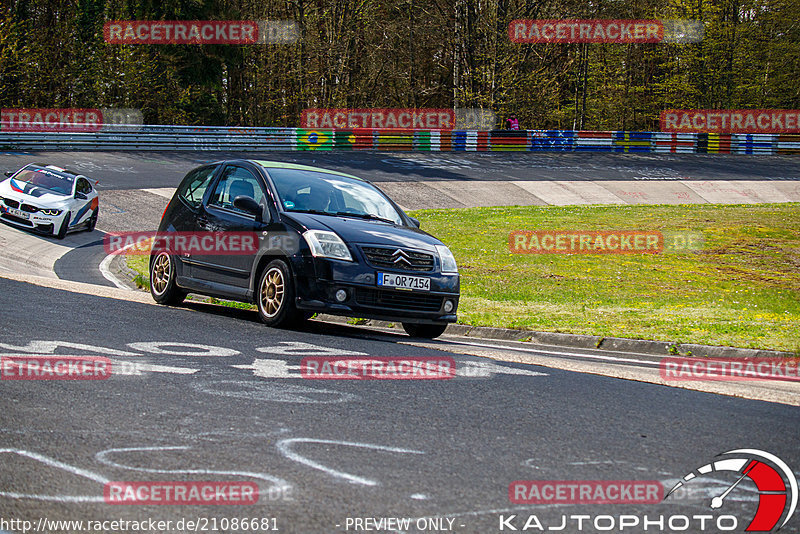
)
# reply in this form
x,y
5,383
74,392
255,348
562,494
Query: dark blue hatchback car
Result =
x,y
324,242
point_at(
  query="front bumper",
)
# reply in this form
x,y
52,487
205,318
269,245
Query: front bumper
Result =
x,y
42,224
319,279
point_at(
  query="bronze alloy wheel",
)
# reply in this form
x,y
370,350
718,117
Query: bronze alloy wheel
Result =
x,y
162,269
272,292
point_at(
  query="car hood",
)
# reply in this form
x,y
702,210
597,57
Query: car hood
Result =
x,y
25,192
366,232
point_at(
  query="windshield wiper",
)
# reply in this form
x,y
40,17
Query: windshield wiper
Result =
x,y
369,216
314,212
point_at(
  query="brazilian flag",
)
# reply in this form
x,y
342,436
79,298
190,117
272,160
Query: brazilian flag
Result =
x,y
344,140
314,140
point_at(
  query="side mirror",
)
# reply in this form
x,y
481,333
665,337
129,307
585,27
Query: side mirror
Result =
x,y
414,221
80,196
248,205
9,173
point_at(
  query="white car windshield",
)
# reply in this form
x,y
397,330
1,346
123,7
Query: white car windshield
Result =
x,y
331,194
47,179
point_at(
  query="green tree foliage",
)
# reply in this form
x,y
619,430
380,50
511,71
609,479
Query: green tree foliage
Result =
x,y
405,53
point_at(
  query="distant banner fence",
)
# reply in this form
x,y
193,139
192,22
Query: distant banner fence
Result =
x,y
138,137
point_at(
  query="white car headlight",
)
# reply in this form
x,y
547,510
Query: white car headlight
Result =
x,y
324,244
51,212
447,260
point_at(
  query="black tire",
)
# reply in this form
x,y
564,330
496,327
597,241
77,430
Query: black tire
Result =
x,y
92,221
162,280
428,331
275,296
62,231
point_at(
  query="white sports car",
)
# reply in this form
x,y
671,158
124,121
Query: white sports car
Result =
x,y
49,200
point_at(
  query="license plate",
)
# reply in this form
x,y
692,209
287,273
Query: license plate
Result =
x,y
19,213
402,281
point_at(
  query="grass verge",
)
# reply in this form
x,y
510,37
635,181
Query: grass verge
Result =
x,y
741,289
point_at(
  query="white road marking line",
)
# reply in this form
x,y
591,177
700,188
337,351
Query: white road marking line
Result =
x,y
545,352
108,275
106,272
284,446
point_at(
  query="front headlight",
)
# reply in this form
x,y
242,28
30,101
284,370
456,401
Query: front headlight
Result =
x,y
51,212
447,260
324,244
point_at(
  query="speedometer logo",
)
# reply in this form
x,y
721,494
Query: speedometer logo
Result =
x,y
776,484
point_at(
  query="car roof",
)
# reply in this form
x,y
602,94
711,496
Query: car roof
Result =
x,y
58,169
295,166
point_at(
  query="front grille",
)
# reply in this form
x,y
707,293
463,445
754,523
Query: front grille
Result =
x,y
395,258
29,208
11,203
401,300
17,220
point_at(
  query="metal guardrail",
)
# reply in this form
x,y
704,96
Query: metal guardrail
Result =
x,y
138,137
247,139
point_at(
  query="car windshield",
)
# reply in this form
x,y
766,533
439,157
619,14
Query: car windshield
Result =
x,y
47,179
331,194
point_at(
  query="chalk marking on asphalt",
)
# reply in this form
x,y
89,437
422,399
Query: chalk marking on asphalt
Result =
x,y
125,368
486,369
470,369
85,473
272,369
284,446
155,347
299,348
102,457
49,347
266,391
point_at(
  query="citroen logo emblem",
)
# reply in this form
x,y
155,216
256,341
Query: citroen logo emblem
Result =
x,y
400,256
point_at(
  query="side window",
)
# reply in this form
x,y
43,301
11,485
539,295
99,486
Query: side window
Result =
x,y
83,186
236,181
194,186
